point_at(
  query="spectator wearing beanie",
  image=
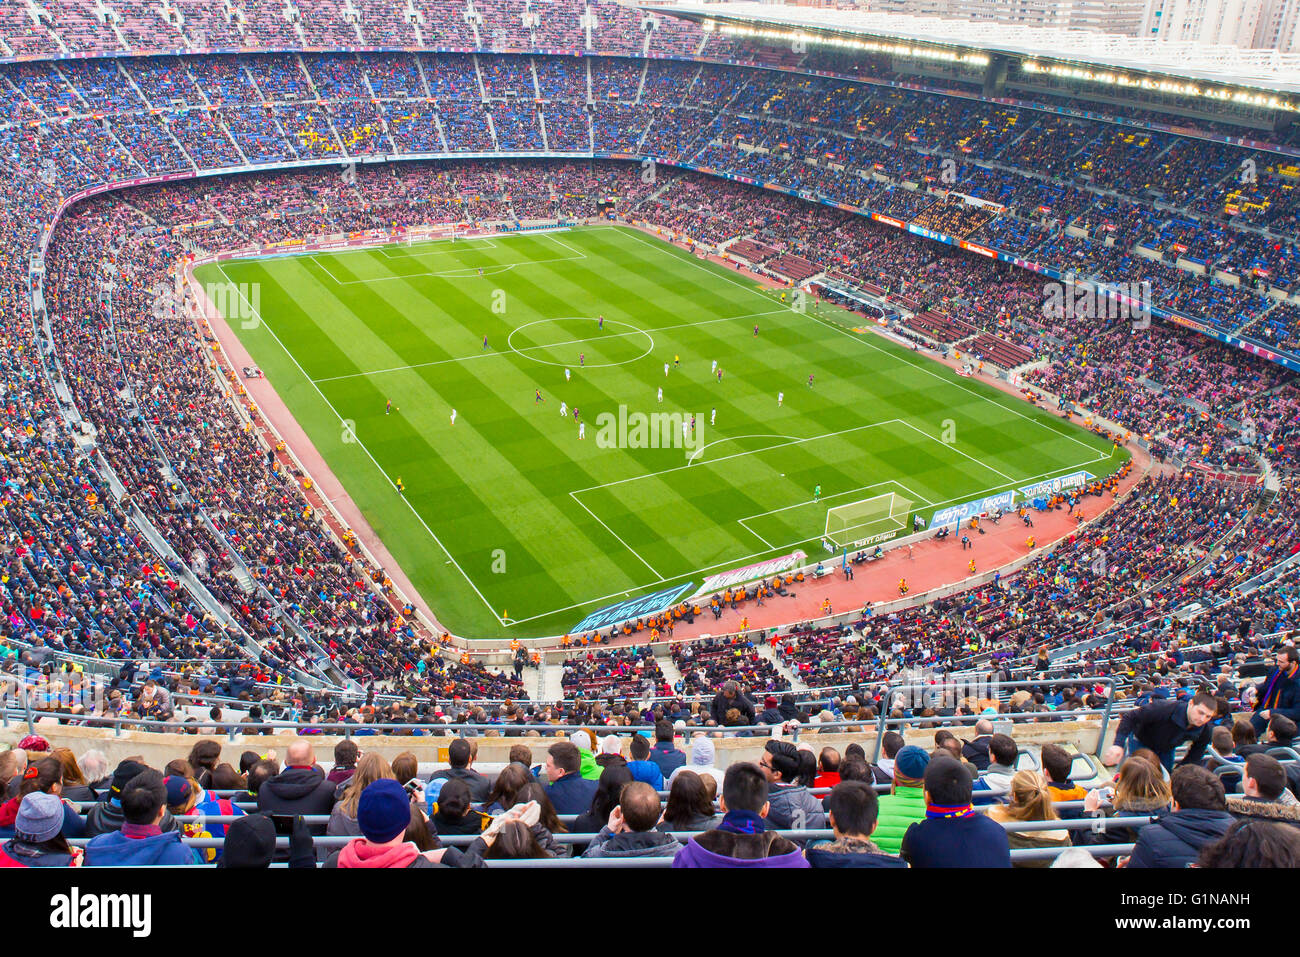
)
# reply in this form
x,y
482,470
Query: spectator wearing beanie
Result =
x,y
250,844
953,833
1199,818
43,774
771,714
141,841
384,813
38,840
701,760
904,805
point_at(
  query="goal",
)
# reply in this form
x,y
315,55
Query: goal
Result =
x,y
867,521
416,235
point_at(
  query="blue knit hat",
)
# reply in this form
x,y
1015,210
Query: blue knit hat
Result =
x,y
40,817
911,762
384,810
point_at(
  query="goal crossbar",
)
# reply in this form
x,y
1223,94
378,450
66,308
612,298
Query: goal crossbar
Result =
x,y
868,520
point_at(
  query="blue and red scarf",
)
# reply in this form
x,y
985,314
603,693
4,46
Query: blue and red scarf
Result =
x,y
1272,692
937,811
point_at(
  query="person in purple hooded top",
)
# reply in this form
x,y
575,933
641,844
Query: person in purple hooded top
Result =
x,y
741,840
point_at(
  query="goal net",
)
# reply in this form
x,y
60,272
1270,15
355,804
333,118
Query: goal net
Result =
x,y
868,521
427,234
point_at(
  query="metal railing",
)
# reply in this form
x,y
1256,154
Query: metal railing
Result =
x,y
943,688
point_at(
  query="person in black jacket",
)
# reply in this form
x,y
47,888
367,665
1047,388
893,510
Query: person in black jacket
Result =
x,y
1280,692
771,714
460,755
853,814
1199,818
1163,725
452,813
790,711
250,844
301,788
730,697
107,815
976,751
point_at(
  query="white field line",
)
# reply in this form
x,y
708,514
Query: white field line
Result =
x,y
866,340
419,518
741,560
953,448
570,342
467,272
427,246
619,537
741,521
735,455
730,562
915,500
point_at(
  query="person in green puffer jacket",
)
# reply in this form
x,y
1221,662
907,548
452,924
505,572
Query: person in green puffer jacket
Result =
x,y
904,805
589,769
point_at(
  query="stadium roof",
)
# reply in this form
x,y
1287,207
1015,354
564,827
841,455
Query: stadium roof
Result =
x,y
1258,69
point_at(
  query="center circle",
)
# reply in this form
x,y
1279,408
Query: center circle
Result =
x,y
577,343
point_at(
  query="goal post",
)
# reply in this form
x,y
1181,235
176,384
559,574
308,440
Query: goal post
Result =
x,y
415,235
867,521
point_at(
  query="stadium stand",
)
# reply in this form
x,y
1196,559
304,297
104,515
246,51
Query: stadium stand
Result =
x,y
194,576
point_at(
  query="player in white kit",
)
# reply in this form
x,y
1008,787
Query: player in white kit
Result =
x,y
713,417
661,393
564,410
780,398
453,416
567,373
582,430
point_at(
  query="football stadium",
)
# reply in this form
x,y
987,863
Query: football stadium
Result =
x,y
853,437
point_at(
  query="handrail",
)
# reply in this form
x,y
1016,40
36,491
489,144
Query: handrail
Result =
x,y
890,690
348,730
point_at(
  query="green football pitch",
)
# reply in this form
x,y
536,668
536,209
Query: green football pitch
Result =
x,y
508,514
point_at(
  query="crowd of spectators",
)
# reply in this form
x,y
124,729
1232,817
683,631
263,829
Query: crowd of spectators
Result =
x,y
81,577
